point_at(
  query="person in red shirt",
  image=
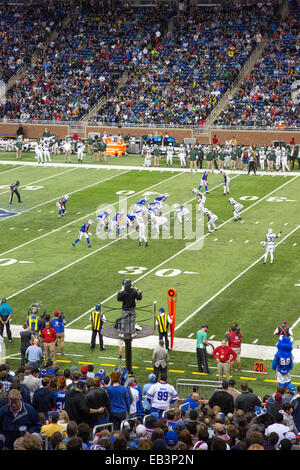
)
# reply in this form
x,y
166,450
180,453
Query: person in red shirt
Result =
x,y
234,337
215,140
224,355
48,335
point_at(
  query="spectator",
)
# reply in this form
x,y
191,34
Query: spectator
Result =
x,y
5,317
97,397
231,389
162,395
119,399
288,420
201,349
53,425
247,401
43,399
277,405
278,427
32,381
76,405
222,399
16,414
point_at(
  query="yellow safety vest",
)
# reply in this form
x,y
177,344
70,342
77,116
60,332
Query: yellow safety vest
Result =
x,y
33,322
162,323
97,320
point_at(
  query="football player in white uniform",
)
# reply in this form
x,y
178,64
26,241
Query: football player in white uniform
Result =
x,y
284,160
39,152
80,150
148,155
46,150
182,156
237,207
161,394
262,158
269,244
211,220
278,158
170,151
201,199
141,227
181,213
226,182
157,221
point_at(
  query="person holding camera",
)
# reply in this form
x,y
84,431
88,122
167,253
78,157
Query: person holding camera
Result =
x,y
234,338
58,323
128,295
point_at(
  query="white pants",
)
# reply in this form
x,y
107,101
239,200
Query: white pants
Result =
x,y
83,233
182,215
226,187
237,209
147,161
269,251
227,162
159,221
277,163
39,157
169,159
182,160
212,222
262,164
142,232
284,164
47,156
80,154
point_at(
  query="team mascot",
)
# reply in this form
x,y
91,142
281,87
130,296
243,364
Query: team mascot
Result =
x,y
283,361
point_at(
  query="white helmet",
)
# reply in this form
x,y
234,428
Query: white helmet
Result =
x,y
108,211
67,196
90,221
166,195
270,230
195,190
205,211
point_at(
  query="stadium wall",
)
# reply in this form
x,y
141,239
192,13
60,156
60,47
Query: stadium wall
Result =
x,y
203,136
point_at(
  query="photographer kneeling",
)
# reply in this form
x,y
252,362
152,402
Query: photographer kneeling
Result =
x,y
58,323
128,295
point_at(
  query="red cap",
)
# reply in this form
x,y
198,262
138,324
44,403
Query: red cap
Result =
x,y
56,313
84,369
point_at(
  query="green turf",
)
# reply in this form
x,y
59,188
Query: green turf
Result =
x,y
74,280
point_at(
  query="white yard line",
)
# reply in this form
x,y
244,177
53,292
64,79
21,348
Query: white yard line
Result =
x,y
91,213
12,169
72,192
183,250
42,179
232,281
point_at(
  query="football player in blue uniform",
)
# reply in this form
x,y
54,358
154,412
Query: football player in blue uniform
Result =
x,y
103,219
204,182
84,230
117,222
130,220
61,204
142,202
161,199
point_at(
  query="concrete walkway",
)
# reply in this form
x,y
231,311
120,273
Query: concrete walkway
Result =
x,y
250,351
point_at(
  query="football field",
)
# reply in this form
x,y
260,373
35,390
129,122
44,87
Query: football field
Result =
x,y
220,277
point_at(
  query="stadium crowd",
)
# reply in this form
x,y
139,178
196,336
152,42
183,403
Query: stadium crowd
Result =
x,y
190,67
80,409
24,28
265,98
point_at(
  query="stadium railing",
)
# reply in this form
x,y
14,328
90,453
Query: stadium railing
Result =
x,y
205,388
100,427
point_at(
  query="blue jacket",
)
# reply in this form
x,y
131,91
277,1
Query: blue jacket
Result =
x,y
9,424
119,398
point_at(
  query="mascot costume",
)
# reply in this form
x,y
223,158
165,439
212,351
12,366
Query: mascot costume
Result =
x,y
283,361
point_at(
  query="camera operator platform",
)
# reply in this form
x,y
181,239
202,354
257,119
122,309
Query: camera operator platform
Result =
x,y
125,327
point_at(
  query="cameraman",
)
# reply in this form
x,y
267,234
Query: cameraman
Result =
x,y
58,323
234,338
128,295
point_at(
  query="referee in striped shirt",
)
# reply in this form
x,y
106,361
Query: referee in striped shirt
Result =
x,y
14,189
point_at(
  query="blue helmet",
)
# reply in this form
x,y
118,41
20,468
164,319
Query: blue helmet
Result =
x,y
152,378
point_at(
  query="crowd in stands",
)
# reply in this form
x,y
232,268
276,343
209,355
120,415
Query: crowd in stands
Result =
x,y
191,66
59,409
24,28
267,98
84,62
